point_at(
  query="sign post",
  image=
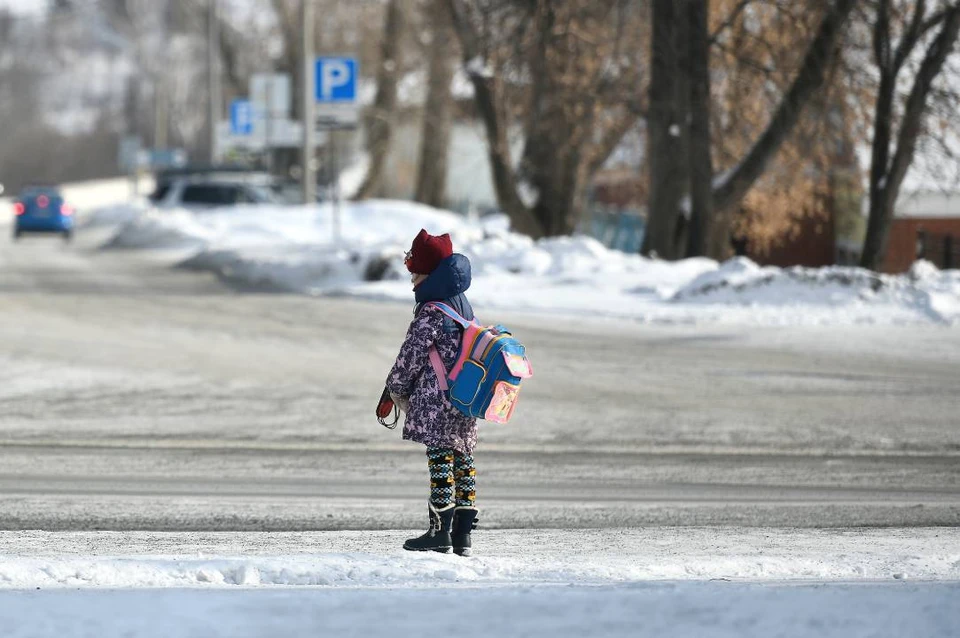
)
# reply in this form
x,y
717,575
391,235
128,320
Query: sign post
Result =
x,y
308,175
336,98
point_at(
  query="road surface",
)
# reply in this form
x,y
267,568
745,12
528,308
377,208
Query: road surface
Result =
x,y
135,395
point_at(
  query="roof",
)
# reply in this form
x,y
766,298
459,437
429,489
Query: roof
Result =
x,y
928,204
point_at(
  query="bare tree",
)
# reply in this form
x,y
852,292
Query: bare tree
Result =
x,y
890,160
730,189
668,127
680,166
381,115
438,109
700,160
684,81
563,75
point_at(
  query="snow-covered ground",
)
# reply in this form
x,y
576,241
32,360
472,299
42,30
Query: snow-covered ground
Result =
x,y
502,557
294,249
686,582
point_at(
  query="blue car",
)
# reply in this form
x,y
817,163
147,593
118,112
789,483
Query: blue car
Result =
x,y
41,209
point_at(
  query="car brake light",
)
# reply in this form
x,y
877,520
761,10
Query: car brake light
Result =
x,y
43,201
19,208
66,210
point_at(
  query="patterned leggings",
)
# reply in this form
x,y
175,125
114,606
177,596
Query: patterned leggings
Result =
x,y
452,477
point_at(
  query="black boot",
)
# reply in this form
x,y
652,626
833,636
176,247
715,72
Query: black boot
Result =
x,y
464,521
437,538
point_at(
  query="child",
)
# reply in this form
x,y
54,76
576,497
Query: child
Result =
x,y
450,436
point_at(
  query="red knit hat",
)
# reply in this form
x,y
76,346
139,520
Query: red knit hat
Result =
x,y
427,252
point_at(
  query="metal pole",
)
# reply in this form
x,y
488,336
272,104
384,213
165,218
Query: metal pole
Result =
x,y
213,79
269,127
308,176
335,184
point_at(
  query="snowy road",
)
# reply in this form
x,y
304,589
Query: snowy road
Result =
x,y
231,426
135,396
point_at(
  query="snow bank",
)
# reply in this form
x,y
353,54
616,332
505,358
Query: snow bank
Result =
x,y
504,557
614,582
95,194
559,583
925,290
293,249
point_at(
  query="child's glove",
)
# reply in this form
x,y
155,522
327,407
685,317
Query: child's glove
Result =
x,y
386,408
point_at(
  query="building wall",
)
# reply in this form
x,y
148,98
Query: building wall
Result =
x,y
813,246
902,247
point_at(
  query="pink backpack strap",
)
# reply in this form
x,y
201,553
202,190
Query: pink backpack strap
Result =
x,y
450,312
438,367
435,359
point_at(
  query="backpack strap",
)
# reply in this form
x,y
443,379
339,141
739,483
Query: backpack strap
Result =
x,y
450,312
439,368
435,359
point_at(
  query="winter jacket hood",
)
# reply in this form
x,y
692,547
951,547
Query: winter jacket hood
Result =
x,y
450,278
447,283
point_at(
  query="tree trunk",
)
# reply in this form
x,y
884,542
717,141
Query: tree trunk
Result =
x,y
563,142
521,217
732,188
885,181
381,116
438,112
879,164
701,165
667,128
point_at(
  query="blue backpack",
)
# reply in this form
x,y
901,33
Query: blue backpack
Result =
x,y
485,380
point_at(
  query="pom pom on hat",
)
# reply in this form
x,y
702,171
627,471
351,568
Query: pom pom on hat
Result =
x,y
427,252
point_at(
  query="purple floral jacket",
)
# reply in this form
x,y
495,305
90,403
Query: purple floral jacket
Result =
x,y
431,419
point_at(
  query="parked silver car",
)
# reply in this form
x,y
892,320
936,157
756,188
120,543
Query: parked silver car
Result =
x,y
212,191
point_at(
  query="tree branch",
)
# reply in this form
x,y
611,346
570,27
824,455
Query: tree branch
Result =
x,y
728,22
609,141
487,100
910,36
748,63
808,80
917,101
881,36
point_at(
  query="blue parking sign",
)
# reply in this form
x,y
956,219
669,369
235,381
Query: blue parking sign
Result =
x,y
241,117
336,79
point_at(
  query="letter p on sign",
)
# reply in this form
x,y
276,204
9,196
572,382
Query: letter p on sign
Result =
x,y
336,79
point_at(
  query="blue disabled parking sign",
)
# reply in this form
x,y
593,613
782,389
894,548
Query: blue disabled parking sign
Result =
x,y
336,79
241,117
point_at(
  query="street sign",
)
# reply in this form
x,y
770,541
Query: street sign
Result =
x,y
336,93
270,94
336,79
242,116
